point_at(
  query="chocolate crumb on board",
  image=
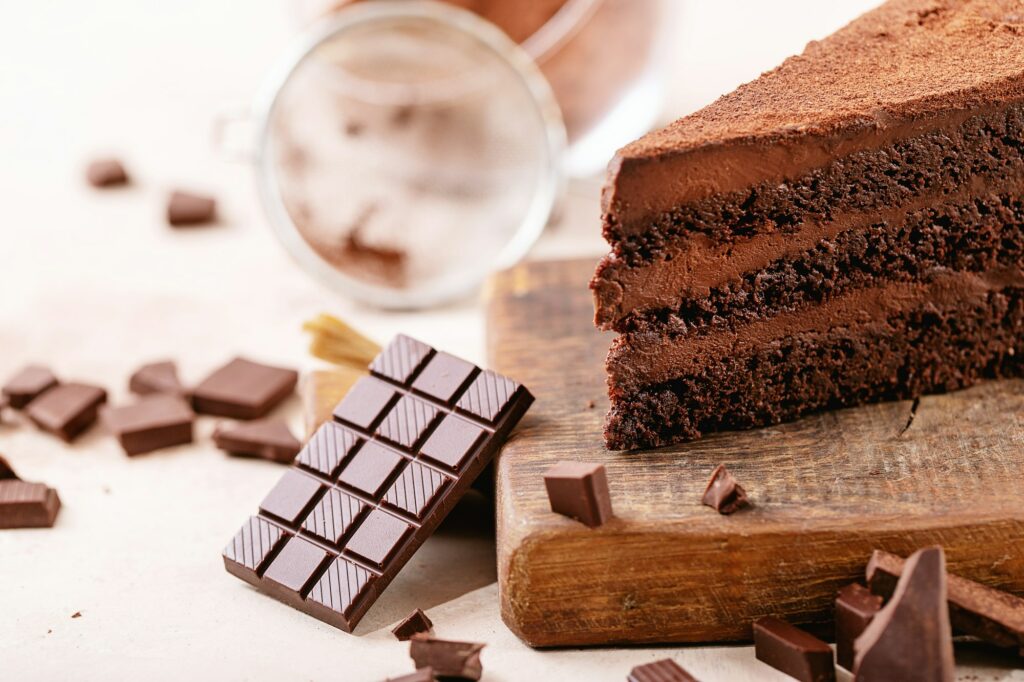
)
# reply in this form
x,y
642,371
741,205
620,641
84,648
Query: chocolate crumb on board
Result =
x,y
911,638
447,658
723,493
27,384
414,624
856,607
265,438
580,491
157,377
76,614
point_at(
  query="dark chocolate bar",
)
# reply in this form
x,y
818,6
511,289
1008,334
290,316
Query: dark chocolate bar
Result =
x,y
157,377
974,609
369,488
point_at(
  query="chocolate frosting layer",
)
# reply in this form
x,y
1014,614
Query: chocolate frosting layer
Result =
x,y
647,358
900,70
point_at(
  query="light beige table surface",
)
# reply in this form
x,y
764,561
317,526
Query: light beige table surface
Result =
x,y
95,284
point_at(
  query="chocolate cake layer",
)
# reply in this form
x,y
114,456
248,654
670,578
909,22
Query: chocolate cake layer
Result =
x,y
702,245
924,349
971,235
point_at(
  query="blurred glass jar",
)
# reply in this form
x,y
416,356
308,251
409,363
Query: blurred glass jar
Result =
x,y
406,149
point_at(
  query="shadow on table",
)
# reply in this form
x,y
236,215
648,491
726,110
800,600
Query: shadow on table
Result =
x,y
457,559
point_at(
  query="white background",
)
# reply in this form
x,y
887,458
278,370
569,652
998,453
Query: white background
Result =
x,y
95,283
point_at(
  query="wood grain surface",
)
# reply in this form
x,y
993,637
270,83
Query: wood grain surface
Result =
x,y
826,490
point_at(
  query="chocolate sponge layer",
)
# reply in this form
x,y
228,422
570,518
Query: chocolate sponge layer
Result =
x,y
926,350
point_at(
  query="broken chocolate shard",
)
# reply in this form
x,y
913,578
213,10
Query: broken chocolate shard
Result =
x,y
723,493
910,639
447,658
28,384
366,494
580,491
154,422
793,651
665,670
106,173
66,410
414,624
157,377
27,505
421,675
266,438
243,389
984,612
185,209
856,607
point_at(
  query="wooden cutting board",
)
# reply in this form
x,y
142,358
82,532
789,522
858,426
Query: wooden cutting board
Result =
x,y
827,490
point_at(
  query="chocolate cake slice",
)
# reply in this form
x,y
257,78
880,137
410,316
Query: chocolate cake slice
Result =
x,y
846,228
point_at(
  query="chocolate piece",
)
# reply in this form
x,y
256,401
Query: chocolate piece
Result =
x,y
665,670
793,651
27,384
106,173
154,422
910,639
448,659
24,504
421,675
157,377
67,410
415,623
723,493
184,208
855,608
580,491
267,438
974,609
243,389
362,494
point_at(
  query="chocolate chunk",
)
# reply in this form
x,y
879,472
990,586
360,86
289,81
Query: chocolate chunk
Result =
x,y
154,422
366,492
665,670
106,173
24,504
243,389
580,491
974,609
448,659
421,675
27,384
267,438
67,410
184,208
910,639
723,493
157,377
856,606
415,623
793,651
